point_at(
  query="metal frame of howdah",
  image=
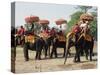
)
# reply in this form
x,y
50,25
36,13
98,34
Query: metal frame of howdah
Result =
x,y
53,37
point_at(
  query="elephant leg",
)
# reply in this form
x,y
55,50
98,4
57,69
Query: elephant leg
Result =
x,y
82,52
75,54
43,51
91,50
86,52
46,51
64,52
55,52
49,50
78,55
75,58
91,53
39,55
26,53
36,57
51,54
37,48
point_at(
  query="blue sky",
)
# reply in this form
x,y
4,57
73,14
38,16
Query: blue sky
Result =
x,y
50,12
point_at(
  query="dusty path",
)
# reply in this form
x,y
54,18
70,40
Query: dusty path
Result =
x,y
55,64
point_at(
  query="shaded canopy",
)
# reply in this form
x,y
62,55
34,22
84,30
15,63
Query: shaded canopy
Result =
x,y
27,20
87,17
31,19
44,22
60,21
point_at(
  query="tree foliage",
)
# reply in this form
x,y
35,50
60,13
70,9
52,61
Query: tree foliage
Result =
x,y
84,8
94,24
74,19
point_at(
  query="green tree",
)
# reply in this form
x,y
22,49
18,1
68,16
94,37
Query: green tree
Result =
x,y
76,16
94,24
74,19
84,8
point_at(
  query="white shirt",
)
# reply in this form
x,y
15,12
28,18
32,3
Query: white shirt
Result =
x,y
64,27
83,25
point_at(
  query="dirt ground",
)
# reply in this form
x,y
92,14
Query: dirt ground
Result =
x,y
54,64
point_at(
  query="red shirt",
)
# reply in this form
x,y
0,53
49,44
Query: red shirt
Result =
x,y
21,31
52,32
76,29
46,31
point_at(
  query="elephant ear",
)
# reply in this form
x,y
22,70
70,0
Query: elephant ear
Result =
x,y
70,34
67,36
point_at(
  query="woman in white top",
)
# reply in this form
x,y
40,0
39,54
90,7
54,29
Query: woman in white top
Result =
x,y
84,26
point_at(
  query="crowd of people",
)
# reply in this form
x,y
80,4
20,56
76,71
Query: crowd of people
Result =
x,y
21,31
81,27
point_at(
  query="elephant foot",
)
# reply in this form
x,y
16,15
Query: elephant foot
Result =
x,y
50,56
76,61
86,58
90,59
26,59
45,57
63,55
82,54
39,58
35,58
56,56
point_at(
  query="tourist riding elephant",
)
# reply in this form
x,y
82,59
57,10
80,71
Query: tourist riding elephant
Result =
x,y
36,46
